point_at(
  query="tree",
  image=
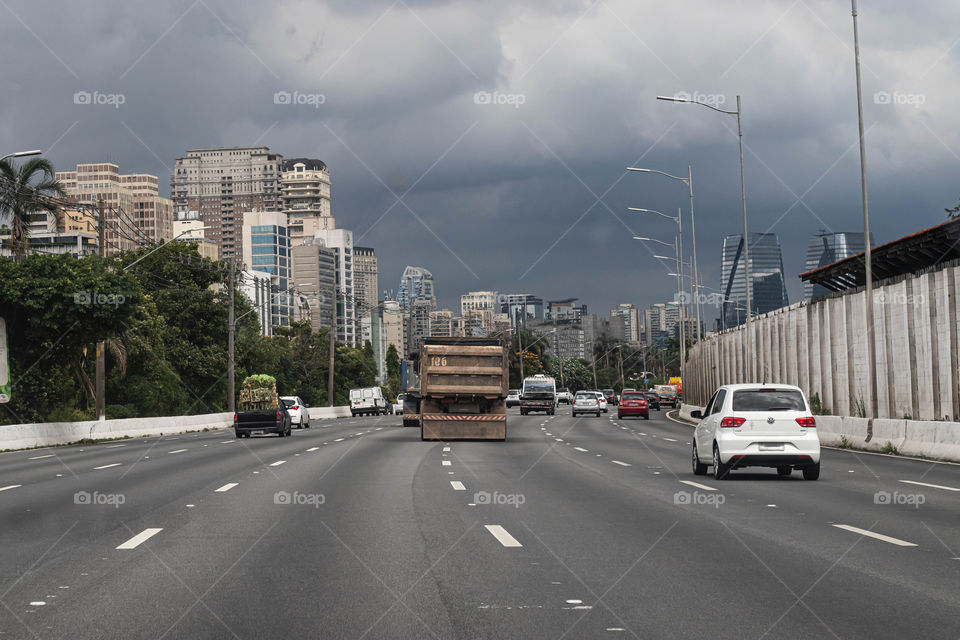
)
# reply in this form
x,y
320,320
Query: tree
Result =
x,y
393,371
25,190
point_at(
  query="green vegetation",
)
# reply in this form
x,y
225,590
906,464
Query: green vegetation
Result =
x,y
164,323
890,448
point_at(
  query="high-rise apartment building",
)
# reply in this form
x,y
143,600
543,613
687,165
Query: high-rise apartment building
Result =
x,y
133,212
341,242
393,330
314,270
221,184
826,248
419,325
365,278
441,323
416,283
768,289
631,321
564,310
521,307
305,197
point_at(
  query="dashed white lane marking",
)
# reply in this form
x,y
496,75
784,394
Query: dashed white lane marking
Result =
x,y
559,439
581,449
10,486
177,451
114,446
698,485
446,448
457,486
502,536
669,439
927,484
49,455
140,538
878,536
339,440
312,449
226,487
40,603
378,428
446,463
277,463
622,464
363,432
227,441
107,466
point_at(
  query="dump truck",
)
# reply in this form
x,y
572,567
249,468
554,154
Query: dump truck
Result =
x,y
463,388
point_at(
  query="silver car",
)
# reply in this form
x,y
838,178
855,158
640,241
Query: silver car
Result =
x,y
586,402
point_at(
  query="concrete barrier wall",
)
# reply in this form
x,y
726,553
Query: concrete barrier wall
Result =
x,y
821,346
23,436
929,439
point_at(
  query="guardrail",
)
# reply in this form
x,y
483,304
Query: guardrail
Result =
x,y
45,434
917,438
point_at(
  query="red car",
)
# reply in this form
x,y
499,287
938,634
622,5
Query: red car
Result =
x,y
633,403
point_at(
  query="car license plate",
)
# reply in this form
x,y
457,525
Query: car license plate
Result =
x,y
771,447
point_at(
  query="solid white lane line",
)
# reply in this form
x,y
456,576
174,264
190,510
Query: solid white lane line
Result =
x,y
140,538
107,466
277,463
580,449
446,463
698,485
457,486
10,486
226,487
339,440
669,439
927,484
878,536
622,464
502,536
49,455
177,451
312,449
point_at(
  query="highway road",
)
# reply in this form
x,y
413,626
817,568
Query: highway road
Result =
x,y
573,528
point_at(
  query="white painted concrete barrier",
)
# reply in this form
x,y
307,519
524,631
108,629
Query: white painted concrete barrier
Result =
x,y
326,413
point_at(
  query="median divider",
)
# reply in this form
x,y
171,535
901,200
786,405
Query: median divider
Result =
x,y
327,413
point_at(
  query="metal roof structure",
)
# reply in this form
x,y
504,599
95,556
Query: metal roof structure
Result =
x,y
909,254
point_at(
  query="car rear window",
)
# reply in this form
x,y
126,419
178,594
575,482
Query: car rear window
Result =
x,y
634,396
768,400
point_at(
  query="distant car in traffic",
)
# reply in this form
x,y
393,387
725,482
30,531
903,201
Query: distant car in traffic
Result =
x,y
586,402
603,399
298,411
398,405
513,398
564,396
653,399
633,403
611,397
756,425
668,397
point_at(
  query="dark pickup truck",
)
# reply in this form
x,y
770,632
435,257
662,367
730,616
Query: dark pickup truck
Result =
x,y
261,421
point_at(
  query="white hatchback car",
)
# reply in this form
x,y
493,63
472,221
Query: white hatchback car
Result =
x,y
756,425
603,400
299,412
586,402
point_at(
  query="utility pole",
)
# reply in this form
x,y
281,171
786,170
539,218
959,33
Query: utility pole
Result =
x,y
101,366
560,358
520,345
333,347
231,330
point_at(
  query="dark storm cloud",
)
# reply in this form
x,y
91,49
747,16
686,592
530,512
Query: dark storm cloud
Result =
x,y
521,188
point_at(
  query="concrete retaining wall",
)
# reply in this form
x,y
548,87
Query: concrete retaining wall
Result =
x,y
930,439
821,346
24,436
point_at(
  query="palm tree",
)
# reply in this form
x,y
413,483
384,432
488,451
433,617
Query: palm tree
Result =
x,y
24,190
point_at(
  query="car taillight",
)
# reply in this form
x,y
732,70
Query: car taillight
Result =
x,y
731,422
294,408
279,418
234,417
808,421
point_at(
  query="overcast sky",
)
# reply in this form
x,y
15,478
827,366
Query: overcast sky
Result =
x,y
523,187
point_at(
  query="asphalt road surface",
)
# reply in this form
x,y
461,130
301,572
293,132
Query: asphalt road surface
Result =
x,y
572,528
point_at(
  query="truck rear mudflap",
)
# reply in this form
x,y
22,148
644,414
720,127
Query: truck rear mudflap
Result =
x,y
445,426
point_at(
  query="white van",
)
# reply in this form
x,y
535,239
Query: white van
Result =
x,y
368,401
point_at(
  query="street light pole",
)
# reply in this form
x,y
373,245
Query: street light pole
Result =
x,y
21,154
748,343
868,258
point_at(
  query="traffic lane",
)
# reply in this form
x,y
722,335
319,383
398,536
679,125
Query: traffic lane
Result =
x,y
295,577
808,514
96,504
591,526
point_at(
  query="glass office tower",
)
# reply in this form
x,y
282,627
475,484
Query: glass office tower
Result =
x,y
768,290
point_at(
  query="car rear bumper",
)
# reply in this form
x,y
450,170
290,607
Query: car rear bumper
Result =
x,y
275,427
750,452
633,411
